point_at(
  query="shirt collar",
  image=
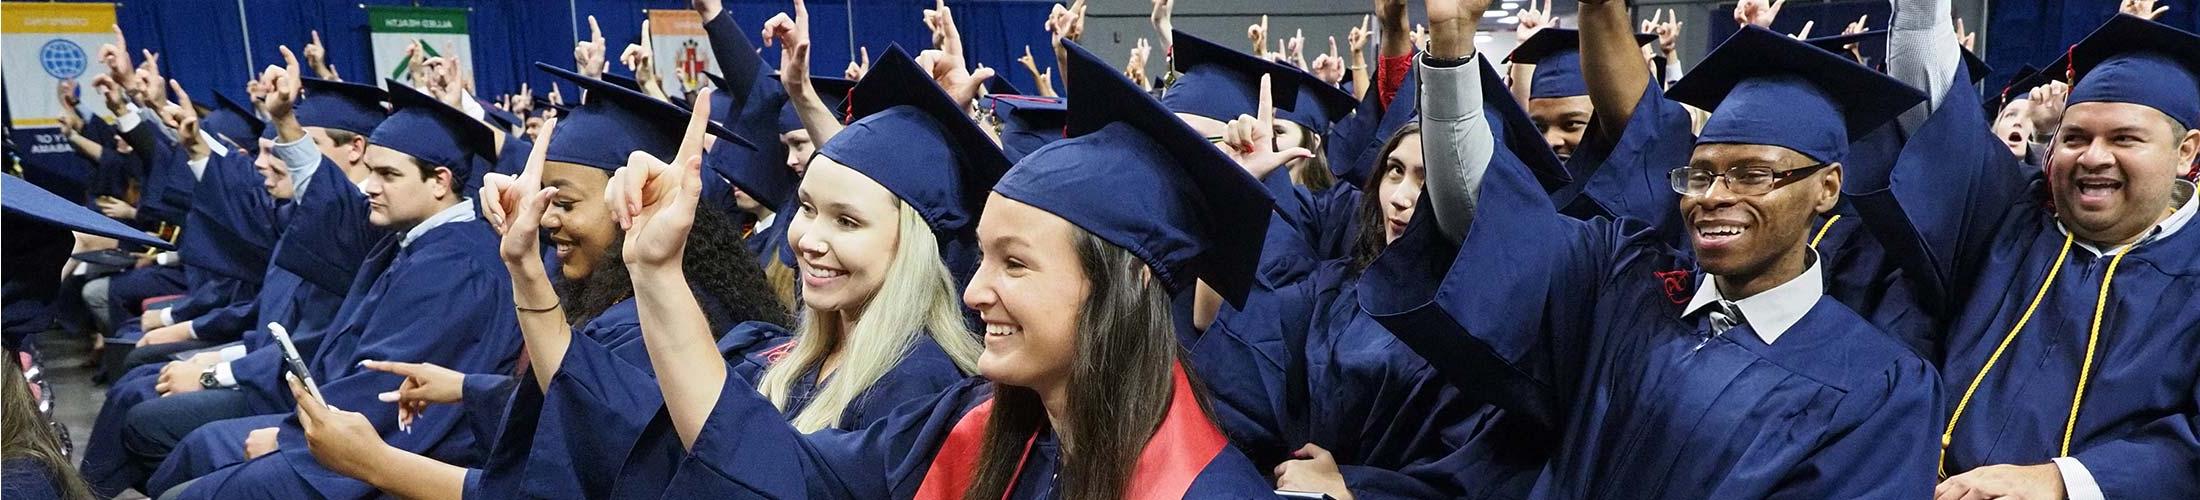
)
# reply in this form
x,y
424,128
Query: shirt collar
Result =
x,y
461,212
2182,191
1772,312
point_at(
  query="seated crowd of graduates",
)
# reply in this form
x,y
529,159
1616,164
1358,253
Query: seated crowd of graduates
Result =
x,y
1790,272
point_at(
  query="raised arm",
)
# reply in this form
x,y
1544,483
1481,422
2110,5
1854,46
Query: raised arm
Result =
x,y
1612,63
1922,50
654,202
1456,138
792,34
514,207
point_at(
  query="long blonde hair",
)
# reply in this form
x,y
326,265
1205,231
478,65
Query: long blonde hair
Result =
x,y
917,298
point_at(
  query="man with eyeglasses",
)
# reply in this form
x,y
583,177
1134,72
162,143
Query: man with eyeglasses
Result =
x,y
1721,372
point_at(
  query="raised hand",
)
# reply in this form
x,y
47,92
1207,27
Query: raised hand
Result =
x,y
1805,33
949,73
1257,35
1251,140
317,58
1668,30
1392,13
1454,23
858,67
792,34
639,57
588,55
1135,69
65,93
2048,102
1067,23
1758,13
1357,37
1532,19
945,36
184,118
416,68
1296,46
1162,17
2145,9
514,205
117,56
654,199
709,9
111,92
281,88
1329,67
1968,38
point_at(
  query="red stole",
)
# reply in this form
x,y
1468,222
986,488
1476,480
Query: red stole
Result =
x,y
1172,459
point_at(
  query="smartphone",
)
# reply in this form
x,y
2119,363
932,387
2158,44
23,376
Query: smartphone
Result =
x,y
296,363
1303,495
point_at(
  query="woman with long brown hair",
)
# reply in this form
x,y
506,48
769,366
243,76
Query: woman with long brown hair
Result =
x,y
1082,395
35,466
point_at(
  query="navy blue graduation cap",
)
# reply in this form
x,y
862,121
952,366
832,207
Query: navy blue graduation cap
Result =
x,y
618,121
498,116
234,122
910,137
622,80
2133,60
1766,88
1977,66
999,85
436,134
349,107
834,91
1028,123
1136,176
1219,83
20,197
1556,54
2019,87
1840,43
1319,104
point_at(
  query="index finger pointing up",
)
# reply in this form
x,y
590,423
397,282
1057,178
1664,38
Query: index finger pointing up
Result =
x,y
595,32
691,143
1267,107
531,177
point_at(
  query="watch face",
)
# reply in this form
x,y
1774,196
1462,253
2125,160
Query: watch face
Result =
x,y
207,380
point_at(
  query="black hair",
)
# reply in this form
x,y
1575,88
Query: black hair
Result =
x,y
722,273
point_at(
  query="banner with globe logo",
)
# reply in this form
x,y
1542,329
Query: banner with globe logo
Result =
x,y
442,31
45,44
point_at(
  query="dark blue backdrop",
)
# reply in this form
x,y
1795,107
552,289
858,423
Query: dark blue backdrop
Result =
x,y
202,44
2041,29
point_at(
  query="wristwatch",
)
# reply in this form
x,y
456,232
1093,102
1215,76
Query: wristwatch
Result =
x,y
207,380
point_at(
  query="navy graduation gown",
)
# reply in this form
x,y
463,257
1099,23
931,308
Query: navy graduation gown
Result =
x,y
400,309
1971,221
233,230
746,451
1582,332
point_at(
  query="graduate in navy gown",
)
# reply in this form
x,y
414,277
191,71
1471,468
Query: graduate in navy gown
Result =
x,y
227,250
399,309
1052,255
588,404
1745,382
2067,292
309,273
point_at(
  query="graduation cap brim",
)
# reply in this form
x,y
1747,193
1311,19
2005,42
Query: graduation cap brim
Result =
x,y
1550,41
1228,265
999,85
468,133
1334,102
1977,66
245,115
1867,98
1839,43
1189,52
634,98
2126,33
903,83
28,200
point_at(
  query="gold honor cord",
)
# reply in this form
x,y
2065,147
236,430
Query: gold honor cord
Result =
x,y
1948,436
2092,339
1822,230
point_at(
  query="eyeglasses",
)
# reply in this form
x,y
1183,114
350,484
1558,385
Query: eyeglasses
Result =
x,y
1745,181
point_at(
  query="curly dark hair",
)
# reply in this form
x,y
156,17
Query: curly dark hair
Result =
x,y
721,272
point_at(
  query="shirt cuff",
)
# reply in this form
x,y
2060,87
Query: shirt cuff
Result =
x,y
302,158
233,353
166,258
189,330
1460,98
168,316
129,119
223,376
2078,482
215,146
